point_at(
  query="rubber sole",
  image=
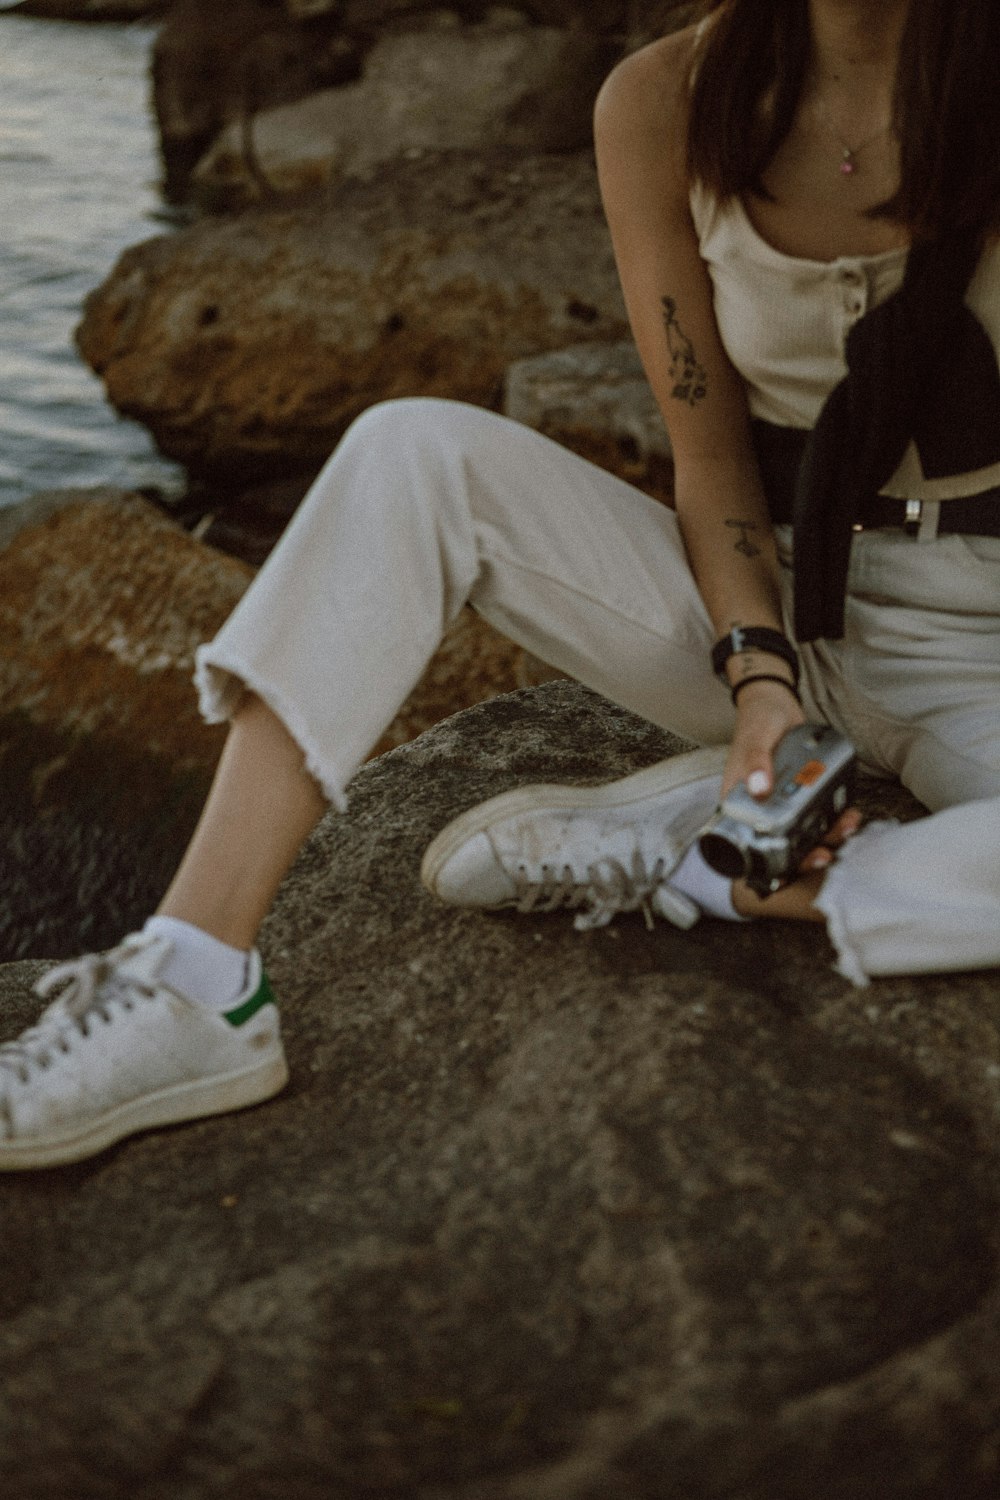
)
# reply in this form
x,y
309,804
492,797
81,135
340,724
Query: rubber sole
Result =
x,y
173,1106
665,776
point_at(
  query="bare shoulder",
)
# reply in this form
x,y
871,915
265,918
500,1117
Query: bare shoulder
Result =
x,y
647,93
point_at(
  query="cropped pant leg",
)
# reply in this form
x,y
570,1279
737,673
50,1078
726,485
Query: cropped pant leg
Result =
x,y
427,505
915,683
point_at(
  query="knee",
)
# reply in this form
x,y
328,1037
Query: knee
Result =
x,y
415,450
409,427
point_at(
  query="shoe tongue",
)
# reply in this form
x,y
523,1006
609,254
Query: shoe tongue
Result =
x,y
140,960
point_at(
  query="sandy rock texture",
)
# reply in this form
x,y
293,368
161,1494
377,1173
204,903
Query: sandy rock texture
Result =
x,y
101,607
542,1216
502,84
106,761
105,757
248,345
595,399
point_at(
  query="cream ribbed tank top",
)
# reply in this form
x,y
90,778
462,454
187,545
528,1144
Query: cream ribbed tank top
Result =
x,y
784,322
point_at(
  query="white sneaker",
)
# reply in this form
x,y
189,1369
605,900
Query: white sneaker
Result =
x,y
606,849
119,1052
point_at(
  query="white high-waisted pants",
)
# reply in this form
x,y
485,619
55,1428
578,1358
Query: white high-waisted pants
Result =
x,y
428,504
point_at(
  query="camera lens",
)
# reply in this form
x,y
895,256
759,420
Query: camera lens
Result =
x,y
725,857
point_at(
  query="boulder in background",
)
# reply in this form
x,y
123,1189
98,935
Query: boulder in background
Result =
x,y
595,399
495,85
213,64
248,345
106,761
220,66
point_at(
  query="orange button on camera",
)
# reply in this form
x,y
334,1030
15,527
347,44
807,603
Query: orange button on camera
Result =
x,y
810,773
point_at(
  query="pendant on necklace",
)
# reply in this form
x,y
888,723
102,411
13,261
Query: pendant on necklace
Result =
x,y
848,166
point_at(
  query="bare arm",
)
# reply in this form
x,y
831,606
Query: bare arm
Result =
x,y
640,128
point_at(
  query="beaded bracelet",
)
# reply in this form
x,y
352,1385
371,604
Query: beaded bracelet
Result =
x,y
738,687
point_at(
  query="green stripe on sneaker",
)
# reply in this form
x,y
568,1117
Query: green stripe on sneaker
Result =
x,y
262,995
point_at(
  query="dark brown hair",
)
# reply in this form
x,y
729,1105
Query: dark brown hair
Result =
x,y
946,110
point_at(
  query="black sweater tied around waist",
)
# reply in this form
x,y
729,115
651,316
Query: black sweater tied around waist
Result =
x,y
921,368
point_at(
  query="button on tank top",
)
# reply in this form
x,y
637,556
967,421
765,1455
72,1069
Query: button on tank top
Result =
x,y
784,322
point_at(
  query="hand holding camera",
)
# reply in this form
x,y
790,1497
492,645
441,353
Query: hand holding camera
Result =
x,y
764,842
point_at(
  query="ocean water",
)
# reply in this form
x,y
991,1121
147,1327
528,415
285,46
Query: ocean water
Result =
x,y
78,173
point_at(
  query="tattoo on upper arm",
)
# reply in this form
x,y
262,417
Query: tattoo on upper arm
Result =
x,y
745,544
690,379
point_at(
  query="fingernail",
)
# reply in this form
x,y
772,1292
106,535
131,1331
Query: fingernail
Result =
x,y
758,782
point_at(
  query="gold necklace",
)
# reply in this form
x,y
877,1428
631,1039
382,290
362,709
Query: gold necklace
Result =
x,y
849,160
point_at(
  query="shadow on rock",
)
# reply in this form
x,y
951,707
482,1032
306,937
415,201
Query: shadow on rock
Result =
x,y
543,1215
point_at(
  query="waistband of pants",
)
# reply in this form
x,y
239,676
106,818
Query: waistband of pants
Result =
x,y
779,453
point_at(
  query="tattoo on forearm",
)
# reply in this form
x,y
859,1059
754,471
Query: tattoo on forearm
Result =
x,y
745,544
690,380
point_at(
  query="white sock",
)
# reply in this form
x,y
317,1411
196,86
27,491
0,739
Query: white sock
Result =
x,y
199,965
713,892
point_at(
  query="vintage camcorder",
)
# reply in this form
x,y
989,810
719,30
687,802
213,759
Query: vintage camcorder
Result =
x,y
814,771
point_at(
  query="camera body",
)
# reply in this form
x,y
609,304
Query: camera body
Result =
x,y
764,842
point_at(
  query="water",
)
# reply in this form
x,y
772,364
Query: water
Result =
x,y
78,170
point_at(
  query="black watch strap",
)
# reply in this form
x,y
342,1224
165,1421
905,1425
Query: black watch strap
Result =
x,y
754,638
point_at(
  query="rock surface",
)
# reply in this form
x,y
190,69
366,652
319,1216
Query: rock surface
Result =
x,y
219,66
595,399
101,607
469,88
592,398
542,1216
106,760
212,64
247,346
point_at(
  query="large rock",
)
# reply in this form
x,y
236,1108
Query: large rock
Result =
x,y
248,346
499,84
106,760
217,66
595,399
543,1215
592,398
102,604
213,64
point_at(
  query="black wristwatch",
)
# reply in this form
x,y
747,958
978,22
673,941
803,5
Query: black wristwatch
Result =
x,y
754,638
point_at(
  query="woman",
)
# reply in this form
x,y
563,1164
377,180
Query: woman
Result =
x,y
793,187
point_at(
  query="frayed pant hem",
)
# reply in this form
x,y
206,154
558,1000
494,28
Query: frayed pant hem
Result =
x,y
221,681
833,901
848,959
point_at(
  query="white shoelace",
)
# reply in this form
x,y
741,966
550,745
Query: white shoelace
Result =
x,y
607,888
91,987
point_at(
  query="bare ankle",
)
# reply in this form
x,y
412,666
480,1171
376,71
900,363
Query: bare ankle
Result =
x,y
792,903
